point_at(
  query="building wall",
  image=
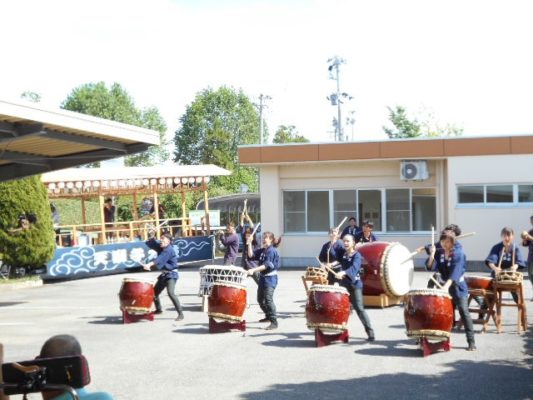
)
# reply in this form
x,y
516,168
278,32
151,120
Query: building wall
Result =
x,y
301,249
487,221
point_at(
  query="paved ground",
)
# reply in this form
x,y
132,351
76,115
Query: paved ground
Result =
x,y
164,359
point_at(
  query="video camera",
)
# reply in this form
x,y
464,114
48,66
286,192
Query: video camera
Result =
x,y
41,374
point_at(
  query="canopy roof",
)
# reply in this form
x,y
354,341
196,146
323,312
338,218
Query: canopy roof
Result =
x,y
119,179
35,139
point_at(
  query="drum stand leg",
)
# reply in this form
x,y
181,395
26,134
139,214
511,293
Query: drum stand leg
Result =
x,y
322,339
129,318
430,348
225,326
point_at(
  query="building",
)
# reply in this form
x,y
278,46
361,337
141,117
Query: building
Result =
x,y
403,186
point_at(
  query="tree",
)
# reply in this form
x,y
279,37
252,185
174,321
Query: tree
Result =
x,y
214,124
34,246
288,134
425,125
403,126
117,105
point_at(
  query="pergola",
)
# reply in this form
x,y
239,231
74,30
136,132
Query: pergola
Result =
x,y
35,139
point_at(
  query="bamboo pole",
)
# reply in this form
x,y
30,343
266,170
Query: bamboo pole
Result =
x,y
102,218
206,208
83,211
156,211
184,229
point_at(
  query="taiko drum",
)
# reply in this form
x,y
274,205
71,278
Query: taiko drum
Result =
x,y
327,308
136,296
478,282
428,313
227,301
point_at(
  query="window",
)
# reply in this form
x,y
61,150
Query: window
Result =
x,y
510,194
318,211
424,207
344,205
398,210
500,194
370,207
470,194
294,211
525,193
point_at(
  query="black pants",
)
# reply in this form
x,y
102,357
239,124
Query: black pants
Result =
x,y
170,285
462,306
265,298
356,298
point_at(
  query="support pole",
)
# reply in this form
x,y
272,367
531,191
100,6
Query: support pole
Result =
x,y
206,207
102,218
156,210
185,228
2,396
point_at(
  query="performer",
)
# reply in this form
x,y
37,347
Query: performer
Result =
x,y
366,235
505,255
527,241
351,229
231,241
350,261
268,260
451,264
330,250
167,262
246,262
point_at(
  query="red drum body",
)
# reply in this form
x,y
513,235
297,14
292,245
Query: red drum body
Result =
x,y
428,313
478,282
227,301
136,296
327,308
385,269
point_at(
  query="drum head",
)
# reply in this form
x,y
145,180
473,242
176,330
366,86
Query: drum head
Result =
x,y
397,275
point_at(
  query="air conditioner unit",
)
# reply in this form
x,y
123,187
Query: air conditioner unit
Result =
x,y
414,170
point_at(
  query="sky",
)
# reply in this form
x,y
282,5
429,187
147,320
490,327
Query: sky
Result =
x,y
469,63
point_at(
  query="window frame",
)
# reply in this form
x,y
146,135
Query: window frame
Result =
x,y
486,204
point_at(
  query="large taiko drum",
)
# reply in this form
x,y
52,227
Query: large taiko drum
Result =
x,y
327,308
136,296
209,274
385,269
478,282
428,313
227,301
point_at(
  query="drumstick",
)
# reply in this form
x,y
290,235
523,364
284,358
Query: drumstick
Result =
x,y
432,235
435,282
255,228
414,253
342,222
513,259
326,266
501,256
466,235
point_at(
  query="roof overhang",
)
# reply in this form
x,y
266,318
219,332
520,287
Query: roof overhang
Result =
x,y
34,139
426,148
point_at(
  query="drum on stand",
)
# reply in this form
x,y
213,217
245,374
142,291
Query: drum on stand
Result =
x,y
385,271
209,274
317,274
508,278
327,308
136,296
478,282
227,301
428,313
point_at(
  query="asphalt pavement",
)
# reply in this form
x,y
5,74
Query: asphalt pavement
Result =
x,y
165,359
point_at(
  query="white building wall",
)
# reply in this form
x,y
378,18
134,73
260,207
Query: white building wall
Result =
x,y
488,220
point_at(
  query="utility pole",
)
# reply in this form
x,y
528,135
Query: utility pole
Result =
x,y
336,98
262,98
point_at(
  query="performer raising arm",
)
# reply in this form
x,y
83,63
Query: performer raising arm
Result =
x,y
268,259
451,264
329,252
349,277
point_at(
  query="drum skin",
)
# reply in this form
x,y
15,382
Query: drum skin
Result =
x,y
327,308
428,313
478,282
384,272
227,301
136,297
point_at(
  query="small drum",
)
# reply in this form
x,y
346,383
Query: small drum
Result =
x,y
478,282
227,301
385,270
136,296
508,278
210,274
327,308
428,313
317,274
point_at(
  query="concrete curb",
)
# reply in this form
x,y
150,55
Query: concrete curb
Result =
x,y
6,287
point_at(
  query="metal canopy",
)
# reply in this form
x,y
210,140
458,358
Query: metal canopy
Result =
x,y
34,139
